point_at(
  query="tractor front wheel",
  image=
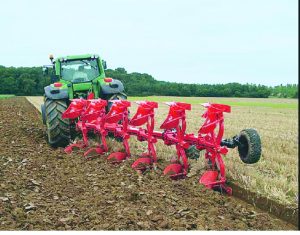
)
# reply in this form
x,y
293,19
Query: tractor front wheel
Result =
x,y
58,129
249,146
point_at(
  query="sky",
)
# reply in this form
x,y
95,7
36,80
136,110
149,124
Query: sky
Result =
x,y
190,41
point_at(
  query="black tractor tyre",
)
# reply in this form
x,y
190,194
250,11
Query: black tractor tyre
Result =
x,y
58,129
250,146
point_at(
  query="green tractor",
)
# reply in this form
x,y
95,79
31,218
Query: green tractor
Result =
x,y
77,76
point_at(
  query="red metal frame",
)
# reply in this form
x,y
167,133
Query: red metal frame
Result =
x,y
91,116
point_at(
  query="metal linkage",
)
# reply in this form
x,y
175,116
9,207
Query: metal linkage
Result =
x,y
91,116
174,130
211,142
75,111
116,121
145,115
94,119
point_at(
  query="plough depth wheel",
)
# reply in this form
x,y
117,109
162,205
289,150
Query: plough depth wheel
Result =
x,y
250,146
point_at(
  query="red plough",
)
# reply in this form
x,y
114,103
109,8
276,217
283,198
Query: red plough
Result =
x,y
91,117
145,115
117,122
75,111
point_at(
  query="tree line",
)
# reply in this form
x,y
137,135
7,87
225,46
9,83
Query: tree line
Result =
x,y
30,81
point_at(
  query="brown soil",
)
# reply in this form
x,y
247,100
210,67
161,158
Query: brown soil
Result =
x,y
44,189
284,212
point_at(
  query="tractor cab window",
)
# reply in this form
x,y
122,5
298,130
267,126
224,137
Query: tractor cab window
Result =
x,y
79,70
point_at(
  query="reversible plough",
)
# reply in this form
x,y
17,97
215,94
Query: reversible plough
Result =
x,y
91,116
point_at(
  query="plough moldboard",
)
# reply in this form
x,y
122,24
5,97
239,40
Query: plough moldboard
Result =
x,y
90,116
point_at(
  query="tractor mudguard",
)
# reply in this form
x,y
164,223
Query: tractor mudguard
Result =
x,y
114,87
56,94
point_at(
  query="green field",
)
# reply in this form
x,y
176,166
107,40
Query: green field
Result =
x,y
6,96
242,102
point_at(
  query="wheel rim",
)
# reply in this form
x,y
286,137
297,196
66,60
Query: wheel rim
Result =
x,y
244,147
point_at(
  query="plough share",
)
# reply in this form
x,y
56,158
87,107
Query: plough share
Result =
x,y
90,116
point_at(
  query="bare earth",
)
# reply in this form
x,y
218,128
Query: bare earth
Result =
x,y
44,189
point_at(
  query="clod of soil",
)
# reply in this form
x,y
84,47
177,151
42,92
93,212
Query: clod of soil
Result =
x,y
45,189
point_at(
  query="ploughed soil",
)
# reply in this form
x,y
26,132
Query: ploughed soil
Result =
x,y
45,189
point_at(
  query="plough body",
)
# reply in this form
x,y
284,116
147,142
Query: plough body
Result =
x,y
90,116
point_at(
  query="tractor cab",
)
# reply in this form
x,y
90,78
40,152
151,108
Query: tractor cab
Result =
x,y
79,75
77,71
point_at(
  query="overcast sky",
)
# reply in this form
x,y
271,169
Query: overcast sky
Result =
x,y
191,41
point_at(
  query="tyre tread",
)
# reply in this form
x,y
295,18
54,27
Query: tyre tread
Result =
x,y
59,129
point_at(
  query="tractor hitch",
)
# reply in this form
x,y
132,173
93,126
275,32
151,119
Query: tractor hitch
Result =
x,y
231,143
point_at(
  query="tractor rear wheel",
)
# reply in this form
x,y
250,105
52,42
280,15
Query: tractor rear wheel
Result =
x,y
58,129
114,97
250,146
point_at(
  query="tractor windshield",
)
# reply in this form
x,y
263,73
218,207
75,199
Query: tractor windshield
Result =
x,y
79,70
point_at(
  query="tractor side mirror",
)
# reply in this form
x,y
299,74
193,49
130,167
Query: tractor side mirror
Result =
x,y
104,64
54,78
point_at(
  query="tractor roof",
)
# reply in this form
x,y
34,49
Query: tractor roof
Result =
x,y
74,57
